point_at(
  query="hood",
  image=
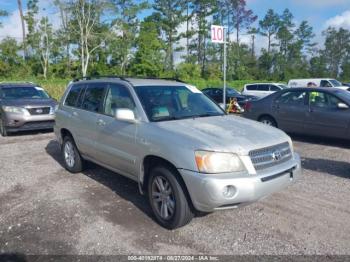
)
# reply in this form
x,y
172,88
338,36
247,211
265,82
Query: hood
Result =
x,y
225,133
29,102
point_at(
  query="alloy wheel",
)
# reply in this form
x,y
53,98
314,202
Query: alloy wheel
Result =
x,y
69,154
163,198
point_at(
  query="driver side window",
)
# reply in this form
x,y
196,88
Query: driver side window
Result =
x,y
325,83
323,100
118,97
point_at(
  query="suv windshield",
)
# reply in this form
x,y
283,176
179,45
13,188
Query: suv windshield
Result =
x,y
162,103
25,92
335,83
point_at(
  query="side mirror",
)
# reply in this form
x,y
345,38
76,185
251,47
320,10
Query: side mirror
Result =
x,y
342,106
125,114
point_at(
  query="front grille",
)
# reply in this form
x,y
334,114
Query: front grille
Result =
x,y
270,156
39,110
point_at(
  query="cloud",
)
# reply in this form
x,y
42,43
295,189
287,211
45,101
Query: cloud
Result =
x,y
342,20
11,25
322,3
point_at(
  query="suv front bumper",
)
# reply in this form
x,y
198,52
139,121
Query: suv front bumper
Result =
x,y
17,122
207,191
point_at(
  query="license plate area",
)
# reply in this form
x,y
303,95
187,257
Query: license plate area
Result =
x,y
289,171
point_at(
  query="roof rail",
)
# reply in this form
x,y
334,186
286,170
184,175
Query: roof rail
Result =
x,y
125,78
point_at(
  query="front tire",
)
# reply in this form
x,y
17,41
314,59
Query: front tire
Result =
x,y
3,130
267,120
167,198
72,159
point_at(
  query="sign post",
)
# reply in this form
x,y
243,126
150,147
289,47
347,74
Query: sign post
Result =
x,y
218,36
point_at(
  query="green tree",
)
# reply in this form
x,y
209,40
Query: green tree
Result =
x,y
126,23
10,61
269,26
149,58
304,35
242,17
337,47
172,15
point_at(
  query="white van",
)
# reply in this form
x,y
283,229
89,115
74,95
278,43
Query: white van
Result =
x,y
262,89
319,82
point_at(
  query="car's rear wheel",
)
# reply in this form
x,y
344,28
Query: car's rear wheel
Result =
x,y
267,120
167,198
3,130
72,159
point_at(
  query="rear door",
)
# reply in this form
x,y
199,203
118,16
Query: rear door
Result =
x,y
116,144
290,110
72,114
86,117
324,118
263,90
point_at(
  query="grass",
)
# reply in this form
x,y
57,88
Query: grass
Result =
x,y
56,87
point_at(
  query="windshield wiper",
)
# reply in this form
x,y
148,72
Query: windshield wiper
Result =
x,y
206,115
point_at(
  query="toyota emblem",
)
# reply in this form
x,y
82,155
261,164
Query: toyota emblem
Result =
x,y
277,155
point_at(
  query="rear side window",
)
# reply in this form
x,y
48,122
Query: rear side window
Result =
x,y
292,98
93,98
73,95
252,87
263,88
274,88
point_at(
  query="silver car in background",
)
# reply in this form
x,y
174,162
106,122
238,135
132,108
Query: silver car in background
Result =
x,y
185,153
25,106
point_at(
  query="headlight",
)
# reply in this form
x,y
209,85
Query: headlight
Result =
x,y
53,109
214,162
16,110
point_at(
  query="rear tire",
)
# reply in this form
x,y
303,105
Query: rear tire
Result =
x,y
167,198
72,159
267,120
3,130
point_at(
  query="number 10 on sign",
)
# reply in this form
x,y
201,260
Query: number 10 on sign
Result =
x,y
218,36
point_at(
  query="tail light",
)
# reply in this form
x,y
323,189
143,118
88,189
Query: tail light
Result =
x,y
248,106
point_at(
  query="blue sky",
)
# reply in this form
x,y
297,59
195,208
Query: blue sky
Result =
x,y
319,13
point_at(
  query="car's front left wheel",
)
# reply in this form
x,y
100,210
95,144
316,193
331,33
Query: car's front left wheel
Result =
x,y
72,159
167,198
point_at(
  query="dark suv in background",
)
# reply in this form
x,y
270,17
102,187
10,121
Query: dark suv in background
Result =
x,y
25,106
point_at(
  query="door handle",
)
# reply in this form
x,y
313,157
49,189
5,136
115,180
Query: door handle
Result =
x,y
75,113
100,122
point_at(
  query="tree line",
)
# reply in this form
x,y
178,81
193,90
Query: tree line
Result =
x,y
169,38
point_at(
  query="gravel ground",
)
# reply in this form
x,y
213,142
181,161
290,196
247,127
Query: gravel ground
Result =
x,y
46,210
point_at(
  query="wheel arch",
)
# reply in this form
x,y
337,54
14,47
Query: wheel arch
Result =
x,y
151,161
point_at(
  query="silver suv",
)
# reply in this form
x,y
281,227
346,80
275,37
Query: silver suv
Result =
x,y
185,153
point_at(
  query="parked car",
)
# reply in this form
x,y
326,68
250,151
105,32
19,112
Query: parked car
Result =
x,y
217,95
262,89
318,82
175,142
346,84
311,111
25,106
